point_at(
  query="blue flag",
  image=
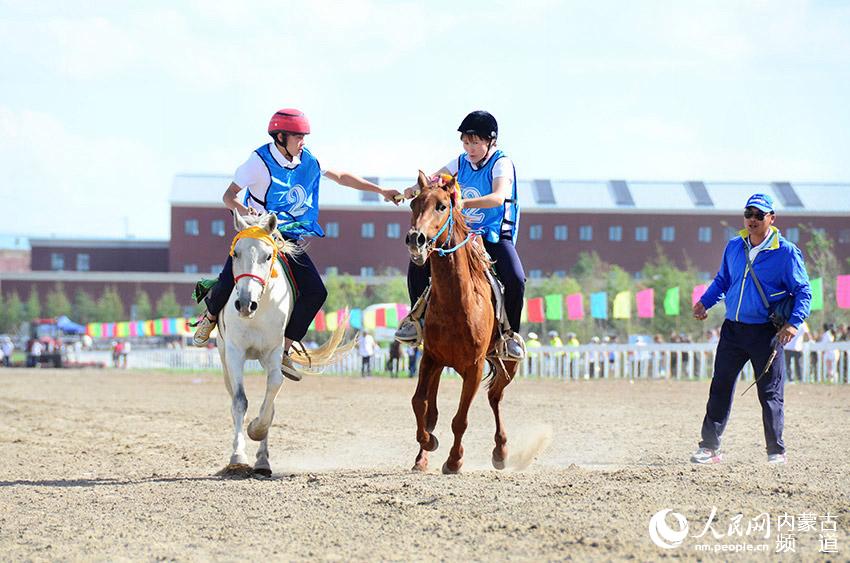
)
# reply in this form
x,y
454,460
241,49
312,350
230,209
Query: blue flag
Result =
x,y
599,305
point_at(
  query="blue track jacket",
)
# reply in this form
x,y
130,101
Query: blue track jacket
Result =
x,y
780,270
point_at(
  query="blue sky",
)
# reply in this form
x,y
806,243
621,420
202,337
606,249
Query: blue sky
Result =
x,y
102,102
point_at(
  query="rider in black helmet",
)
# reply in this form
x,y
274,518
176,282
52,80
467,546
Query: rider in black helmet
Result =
x,y
488,186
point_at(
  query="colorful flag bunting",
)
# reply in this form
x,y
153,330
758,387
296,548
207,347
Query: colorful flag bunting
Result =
x,y
697,293
535,310
554,307
599,305
842,292
672,302
817,294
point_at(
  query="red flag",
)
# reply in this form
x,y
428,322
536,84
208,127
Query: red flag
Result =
x,y
320,321
381,317
535,310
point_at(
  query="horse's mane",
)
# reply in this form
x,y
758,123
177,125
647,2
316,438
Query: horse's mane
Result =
x,y
285,246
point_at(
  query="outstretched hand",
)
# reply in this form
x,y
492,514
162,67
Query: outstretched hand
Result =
x,y
393,196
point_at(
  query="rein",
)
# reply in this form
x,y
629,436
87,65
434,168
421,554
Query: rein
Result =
x,y
257,233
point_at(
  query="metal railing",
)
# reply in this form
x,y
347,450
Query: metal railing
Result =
x,y
819,362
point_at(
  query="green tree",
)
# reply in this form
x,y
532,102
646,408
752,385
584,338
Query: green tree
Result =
x,y
345,291
142,306
32,309
393,290
14,312
85,307
57,302
110,307
822,262
167,305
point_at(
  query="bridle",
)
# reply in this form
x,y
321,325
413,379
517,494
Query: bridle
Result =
x,y
260,234
430,246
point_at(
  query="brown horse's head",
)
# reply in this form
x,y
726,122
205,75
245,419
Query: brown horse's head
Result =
x,y
431,212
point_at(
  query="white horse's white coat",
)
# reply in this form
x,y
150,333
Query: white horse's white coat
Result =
x,y
254,331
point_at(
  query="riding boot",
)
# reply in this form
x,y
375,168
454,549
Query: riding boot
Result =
x,y
411,329
288,368
511,346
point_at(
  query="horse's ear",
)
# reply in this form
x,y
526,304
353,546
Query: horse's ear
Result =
x,y
238,222
449,183
269,222
423,180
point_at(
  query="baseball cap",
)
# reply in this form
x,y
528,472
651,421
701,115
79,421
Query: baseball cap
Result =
x,y
761,201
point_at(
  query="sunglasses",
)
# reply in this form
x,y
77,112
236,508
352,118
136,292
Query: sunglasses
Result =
x,y
757,213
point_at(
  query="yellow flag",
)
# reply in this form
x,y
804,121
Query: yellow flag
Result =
x,y
369,319
623,305
331,320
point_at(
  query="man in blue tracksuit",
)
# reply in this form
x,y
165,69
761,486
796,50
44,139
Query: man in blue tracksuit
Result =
x,y
747,333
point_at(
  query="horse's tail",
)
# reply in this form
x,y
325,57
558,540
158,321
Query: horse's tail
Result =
x,y
328,353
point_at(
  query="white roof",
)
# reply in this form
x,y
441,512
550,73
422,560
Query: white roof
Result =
x,y
555,195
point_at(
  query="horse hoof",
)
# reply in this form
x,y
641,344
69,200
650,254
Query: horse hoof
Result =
x,y
498,463
236,471
255,434
449,471
420,467
265,472
433,444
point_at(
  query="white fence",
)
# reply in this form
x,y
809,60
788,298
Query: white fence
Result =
x,y
820,362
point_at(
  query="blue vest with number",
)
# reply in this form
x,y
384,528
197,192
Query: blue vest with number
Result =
x,y
293,194
497,222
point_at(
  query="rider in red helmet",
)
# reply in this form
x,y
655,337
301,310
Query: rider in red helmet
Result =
x,y
282,177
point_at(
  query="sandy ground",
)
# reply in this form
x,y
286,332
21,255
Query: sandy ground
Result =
x,y
107,465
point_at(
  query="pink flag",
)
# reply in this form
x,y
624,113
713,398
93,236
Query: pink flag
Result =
x,y
842,292
697,293
645,303
575,307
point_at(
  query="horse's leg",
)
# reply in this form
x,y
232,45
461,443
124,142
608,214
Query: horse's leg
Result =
x,y
233,368
258,429
471,380
494,395
429,370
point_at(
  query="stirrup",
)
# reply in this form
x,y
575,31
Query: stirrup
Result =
x,y
288,369
205,325
501,348
412,340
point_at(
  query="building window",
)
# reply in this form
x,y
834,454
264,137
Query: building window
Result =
x,y
217,227
191,227
668,234
332,230
216,268
367,230
393,230
535,274
57,262
190,268
844,236
585,232
535,232
641,234
331,271
793,234
560,273
730,232
367,271
615,232
561,232
83,262
638,275
704,234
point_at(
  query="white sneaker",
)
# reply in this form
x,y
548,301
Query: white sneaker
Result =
x,y
705,456
777,459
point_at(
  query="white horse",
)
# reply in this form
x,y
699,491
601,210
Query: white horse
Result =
x,y
251,326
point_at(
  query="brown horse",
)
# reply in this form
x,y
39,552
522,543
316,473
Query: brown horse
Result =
x,y
461,328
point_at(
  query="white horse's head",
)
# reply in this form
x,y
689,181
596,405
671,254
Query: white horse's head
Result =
x,y
253,253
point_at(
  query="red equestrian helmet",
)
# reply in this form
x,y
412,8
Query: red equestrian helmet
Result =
x,y
289,120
